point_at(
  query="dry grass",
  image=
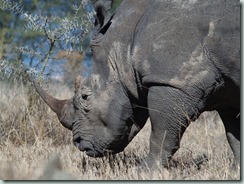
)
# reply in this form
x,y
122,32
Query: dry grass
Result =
x,y
28,139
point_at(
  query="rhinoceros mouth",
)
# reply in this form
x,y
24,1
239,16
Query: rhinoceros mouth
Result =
x,y
89,149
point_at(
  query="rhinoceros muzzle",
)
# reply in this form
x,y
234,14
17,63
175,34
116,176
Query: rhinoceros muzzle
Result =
x,y
87,147
91,150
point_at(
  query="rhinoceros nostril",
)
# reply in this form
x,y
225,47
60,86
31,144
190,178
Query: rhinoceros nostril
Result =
x,y
85,146
77,141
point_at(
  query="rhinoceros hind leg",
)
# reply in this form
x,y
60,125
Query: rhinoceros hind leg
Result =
x,y
231,120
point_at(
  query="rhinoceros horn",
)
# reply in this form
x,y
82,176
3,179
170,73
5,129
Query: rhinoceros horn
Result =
x,y
55,104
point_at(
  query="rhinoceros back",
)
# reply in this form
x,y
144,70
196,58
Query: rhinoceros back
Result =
x,y
170,32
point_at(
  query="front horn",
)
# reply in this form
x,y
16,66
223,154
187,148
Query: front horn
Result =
x,y
55,104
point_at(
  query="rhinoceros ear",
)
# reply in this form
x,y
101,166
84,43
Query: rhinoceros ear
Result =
x,y
103,15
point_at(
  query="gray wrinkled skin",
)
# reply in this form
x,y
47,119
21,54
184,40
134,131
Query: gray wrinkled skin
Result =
x,y
167,60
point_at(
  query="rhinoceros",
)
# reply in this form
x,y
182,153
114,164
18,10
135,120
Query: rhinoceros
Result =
x,y
167,60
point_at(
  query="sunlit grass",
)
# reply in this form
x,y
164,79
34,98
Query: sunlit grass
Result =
x,y
29,139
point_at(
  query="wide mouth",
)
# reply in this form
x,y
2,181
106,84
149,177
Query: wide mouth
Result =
x,y
87,147
93,151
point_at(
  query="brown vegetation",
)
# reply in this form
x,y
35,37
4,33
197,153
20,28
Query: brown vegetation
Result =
x,y
28,139
73,66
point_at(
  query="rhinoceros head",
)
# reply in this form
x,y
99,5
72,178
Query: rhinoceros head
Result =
x,y
100,114
101,120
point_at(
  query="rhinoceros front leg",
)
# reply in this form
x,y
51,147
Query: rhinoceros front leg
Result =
x,y
170,111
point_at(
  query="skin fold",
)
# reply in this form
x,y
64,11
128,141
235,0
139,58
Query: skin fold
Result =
x,y
167,60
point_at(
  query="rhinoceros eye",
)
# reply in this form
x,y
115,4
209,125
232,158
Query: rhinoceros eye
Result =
x,y
84,96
